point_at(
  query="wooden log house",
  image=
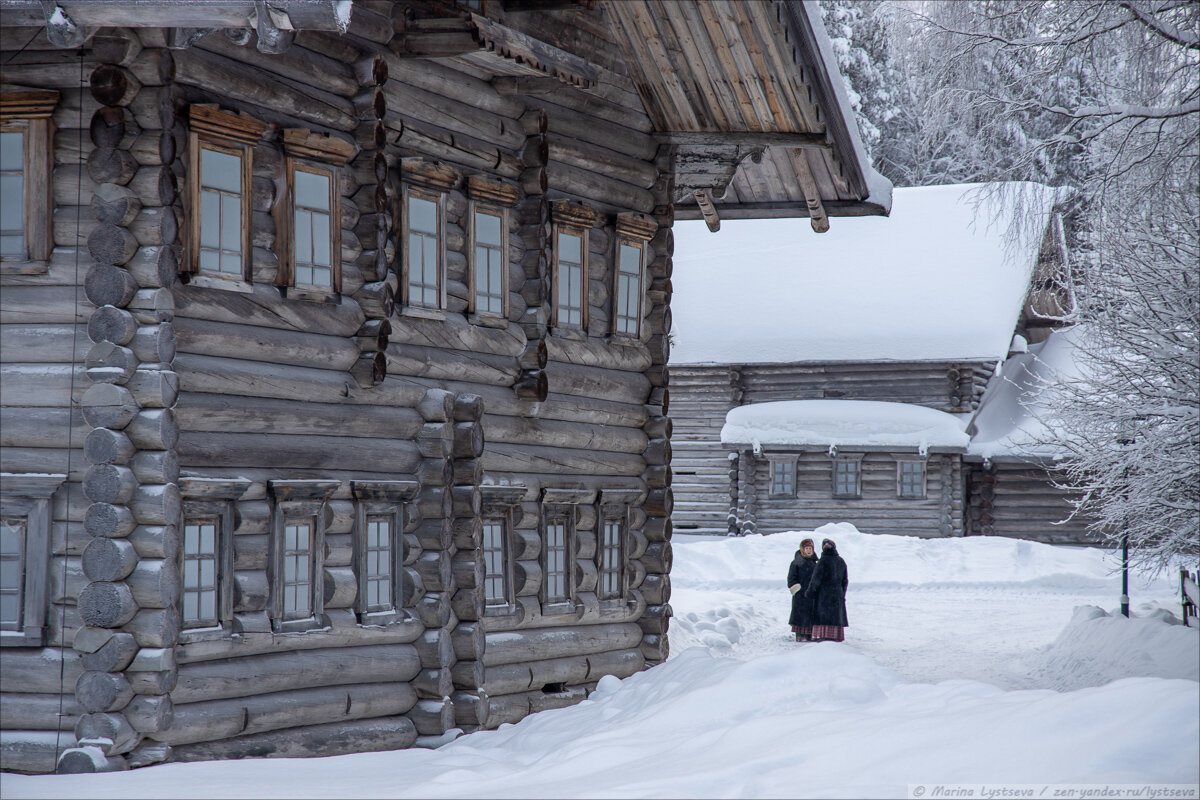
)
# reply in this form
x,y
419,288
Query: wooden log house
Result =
x,y
914,310
334,352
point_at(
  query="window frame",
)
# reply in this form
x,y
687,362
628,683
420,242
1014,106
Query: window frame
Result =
x,y
567,515
27,496
438,198
475,208
295,502
503,502
288,240
556,315
30,111
923,462
381,499
846,458
505,573
632,230
232,134
211,498
619,515
774,463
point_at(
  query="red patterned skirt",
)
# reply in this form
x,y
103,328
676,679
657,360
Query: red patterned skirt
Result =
x,y
828,633
803,630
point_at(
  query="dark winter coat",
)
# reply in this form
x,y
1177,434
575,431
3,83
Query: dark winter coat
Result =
x,y
828,588
800,572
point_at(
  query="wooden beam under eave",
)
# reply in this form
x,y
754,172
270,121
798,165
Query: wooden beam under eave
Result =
x,y
812,194
814,141
709,211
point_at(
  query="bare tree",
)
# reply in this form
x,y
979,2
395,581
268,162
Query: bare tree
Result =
x,y
1103,97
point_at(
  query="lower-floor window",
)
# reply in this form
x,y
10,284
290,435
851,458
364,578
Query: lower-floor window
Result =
x,y
495,581
200,573
910,478
847,477
609,559
12,572
556,585
378,566
297,569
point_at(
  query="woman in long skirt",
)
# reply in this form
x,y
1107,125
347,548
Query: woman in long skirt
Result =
x,y
828,589
799,576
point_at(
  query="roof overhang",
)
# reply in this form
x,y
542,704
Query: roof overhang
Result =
x,y
750,96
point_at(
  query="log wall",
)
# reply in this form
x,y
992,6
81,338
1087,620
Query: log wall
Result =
x,y
1021,501
182,378
877,510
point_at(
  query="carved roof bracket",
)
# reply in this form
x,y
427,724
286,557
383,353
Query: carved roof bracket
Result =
x,y
710,167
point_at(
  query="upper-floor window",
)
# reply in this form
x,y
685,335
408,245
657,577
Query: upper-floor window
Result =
x,y
489,262
423,259
26,213
847,476
24,556
221,155
570,280
314,227
783,477
633,233
910,479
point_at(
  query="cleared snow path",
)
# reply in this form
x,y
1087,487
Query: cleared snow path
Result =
x,y
931,610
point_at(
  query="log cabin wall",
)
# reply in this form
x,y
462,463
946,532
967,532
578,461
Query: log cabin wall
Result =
x,y
241,402
703,395
877,510
1021,501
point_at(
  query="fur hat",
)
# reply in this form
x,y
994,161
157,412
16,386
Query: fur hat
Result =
x,y
808,542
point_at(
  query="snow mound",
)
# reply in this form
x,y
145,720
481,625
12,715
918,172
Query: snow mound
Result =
x,y
1097,647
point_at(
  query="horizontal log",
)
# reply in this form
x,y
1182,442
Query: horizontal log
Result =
x,y
221,719
31,344
540,644
329,739
432,717
32,751
45,670
39,712
213,449
554,433
509,678
570,464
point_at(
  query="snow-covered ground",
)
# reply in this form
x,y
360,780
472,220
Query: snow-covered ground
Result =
x,y
967,661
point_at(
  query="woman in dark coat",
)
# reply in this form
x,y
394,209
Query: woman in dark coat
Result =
x,y
828,589
799,574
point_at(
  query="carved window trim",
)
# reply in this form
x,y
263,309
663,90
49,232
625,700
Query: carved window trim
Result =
x,y
782,476
298,502
25,497
848,460
380,500
212,499
232,134
494,198
423,309
634,231
30,113
904,490
615,507
322,155
571,219
501,504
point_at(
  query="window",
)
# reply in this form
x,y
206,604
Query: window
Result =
x,y
501,513
312,235
422,252
200,554
847,476
27,211
379,547
783,477
24,556
910,479
570,291
298,545
489,263
220,170
609,563
496,584
311,219
633,232
207,554
556,578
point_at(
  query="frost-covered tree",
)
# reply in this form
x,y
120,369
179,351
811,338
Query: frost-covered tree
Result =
x,y
860,38
1105,97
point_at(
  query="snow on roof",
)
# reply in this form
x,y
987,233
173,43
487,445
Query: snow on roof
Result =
x,y
935,280
845,423
1014,419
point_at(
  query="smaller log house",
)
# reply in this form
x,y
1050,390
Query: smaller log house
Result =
x,y
913,311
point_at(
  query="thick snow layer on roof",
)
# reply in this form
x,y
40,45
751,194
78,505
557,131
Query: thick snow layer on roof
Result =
x,y
938,279
845,423
1015,416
